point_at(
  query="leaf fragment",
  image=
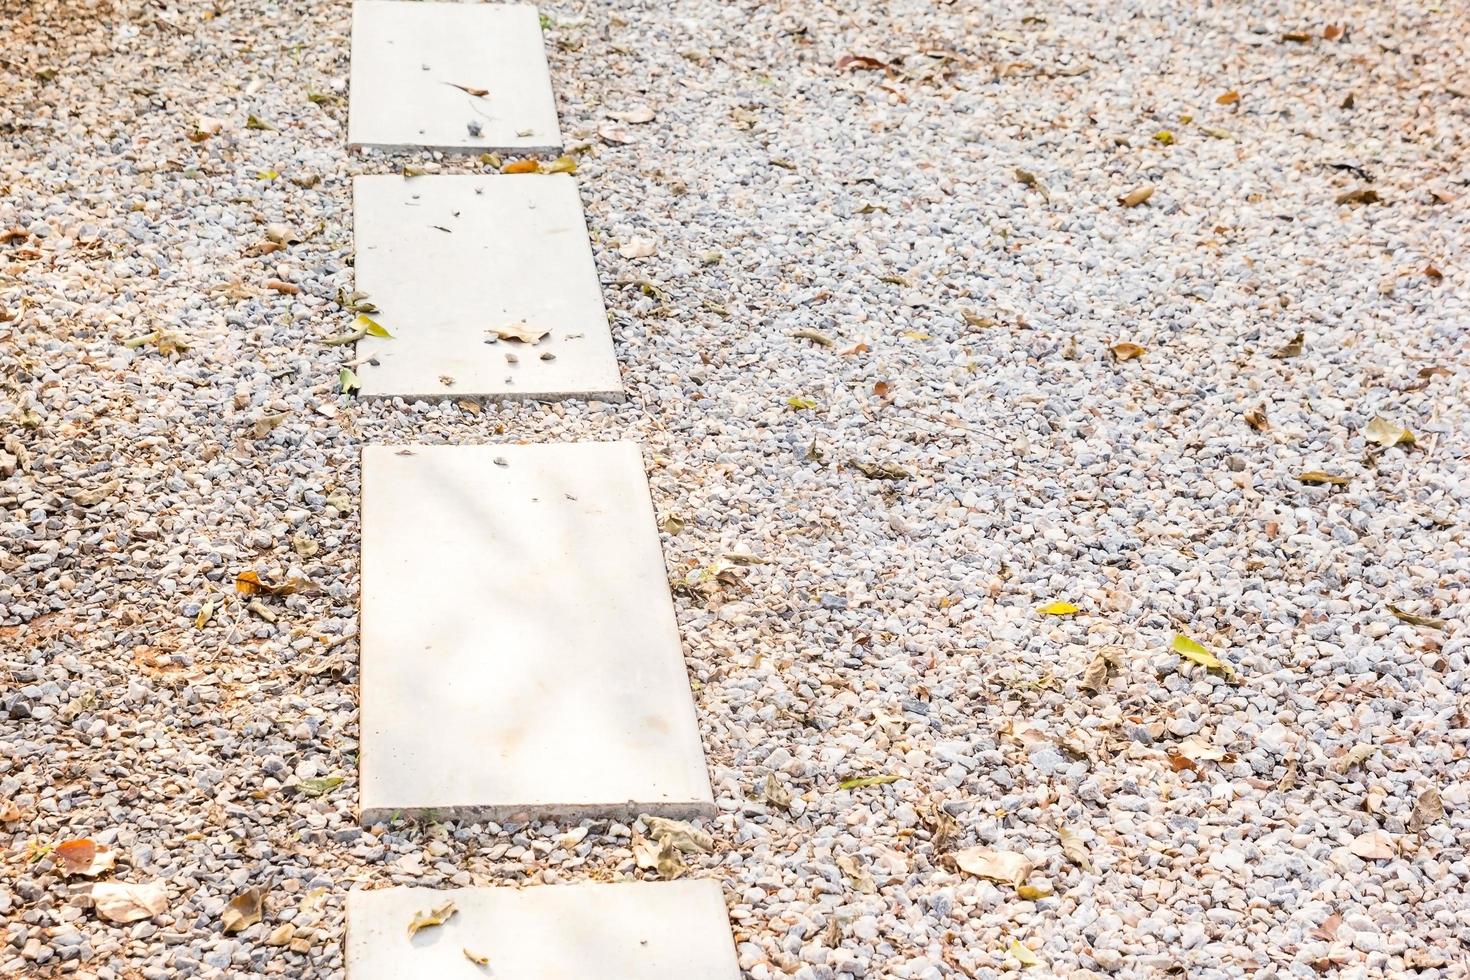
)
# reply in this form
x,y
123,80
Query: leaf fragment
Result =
x,y
1228,98
1375,845
1196,653
1256,419
1007,867
638,248
117,901
348,381
529,165
1032,893
1137,196
1073,849
1362,195
1428,810
251,582
1292,348
1022,954
1164,137
478,93
862,782
686,837
660,856
318,786
1382,432
815,336
1319,478
800,403
243,911
880,470
522,333
253,121
1058,608
562,165
475,958
432,917
1429,622
1099,669
1126,351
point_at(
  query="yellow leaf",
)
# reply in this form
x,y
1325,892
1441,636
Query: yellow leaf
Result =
x,y
562,165
800,403
1058,608
433,917
522,167
1031,893
1023,954
1165,137
371,327
1196,653
1127,351
1382,432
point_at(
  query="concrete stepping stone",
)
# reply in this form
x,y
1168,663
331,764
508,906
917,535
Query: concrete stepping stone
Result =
x,y
520,656
418,71
453,261
672,930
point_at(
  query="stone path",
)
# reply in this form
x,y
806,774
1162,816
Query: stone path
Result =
x,y
520,658
649,931
455,263
450,76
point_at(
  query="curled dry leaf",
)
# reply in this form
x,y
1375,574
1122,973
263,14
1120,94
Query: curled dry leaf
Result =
x,y
637,114
660,856
859,879
1428,809
433,917
281,234
1363,195
638,248
243,911
1380,431
1099,669
527,166
1429,622
881,470
1007,867
1228,98
281,286
1032,893
859,62
116,901
478,93
685,836
1073,849
1292,348
478,959
1375,845
1354,757
775,794
1256,419
82,856
615,134
251,582
1137,196
522,333
1126,351
1318,478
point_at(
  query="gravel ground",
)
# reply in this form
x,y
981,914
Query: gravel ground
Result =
x,y
1297,810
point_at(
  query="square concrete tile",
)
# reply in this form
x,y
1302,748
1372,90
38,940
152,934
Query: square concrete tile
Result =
x,y
520,656
409,58
449,260
644,930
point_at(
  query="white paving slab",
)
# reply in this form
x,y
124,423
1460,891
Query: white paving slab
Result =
x,y
520,656
450,260
674,930
412,64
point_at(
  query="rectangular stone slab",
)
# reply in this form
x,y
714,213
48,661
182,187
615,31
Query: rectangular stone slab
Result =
x,y
643,930
408,58
520,656
450,260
